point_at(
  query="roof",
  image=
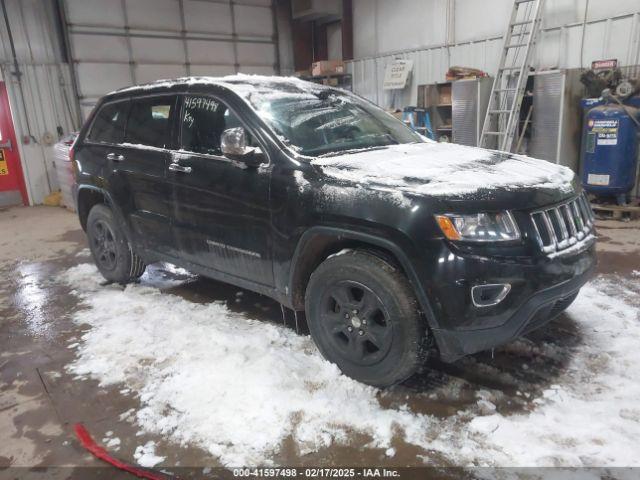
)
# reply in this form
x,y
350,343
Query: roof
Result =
x,y
241,84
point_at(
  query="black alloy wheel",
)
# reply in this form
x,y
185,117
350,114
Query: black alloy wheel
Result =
x,y
104,245
364,317
111,251
357,322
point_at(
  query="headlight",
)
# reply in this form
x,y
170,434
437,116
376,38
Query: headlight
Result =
x,y
479,227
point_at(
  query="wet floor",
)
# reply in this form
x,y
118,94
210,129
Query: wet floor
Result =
x,y
40,402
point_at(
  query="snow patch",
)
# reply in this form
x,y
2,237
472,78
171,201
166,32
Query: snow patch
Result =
x,y
344,251
580,422
302,182
146,456
230,384
333,193
238,387
113,443
242,84
444,169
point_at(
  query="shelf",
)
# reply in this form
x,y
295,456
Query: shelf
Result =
x,y
445,128
330,75
444,105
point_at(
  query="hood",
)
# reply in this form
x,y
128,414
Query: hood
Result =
x,y
446,170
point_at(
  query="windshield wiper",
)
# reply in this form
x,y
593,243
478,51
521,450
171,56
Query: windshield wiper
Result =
x,y
350,151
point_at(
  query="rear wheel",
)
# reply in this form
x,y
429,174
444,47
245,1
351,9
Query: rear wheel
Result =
x,y
111,252
364,317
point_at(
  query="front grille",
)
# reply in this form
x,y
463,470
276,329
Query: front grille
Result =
x,y
564,226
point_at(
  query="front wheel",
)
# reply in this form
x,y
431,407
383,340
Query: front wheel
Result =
x,y
364,317
111,252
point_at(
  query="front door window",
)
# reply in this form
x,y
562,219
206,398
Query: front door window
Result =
x,y
203,122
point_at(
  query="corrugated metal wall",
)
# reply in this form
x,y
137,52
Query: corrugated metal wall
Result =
x,y
45,103
137,41
437,34
44,89
116,43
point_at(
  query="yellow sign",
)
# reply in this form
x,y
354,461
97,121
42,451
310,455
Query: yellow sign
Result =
x,y
4,170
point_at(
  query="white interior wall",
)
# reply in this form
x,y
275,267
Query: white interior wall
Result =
x,y
334,41
417,29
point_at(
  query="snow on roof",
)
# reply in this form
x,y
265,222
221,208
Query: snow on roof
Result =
x,y
422,168
443,169
240,83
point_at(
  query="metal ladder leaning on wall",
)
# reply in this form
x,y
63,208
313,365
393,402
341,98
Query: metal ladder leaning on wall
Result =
x,y
503,111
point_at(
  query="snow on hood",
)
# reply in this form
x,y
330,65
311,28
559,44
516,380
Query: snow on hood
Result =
x,y
444,169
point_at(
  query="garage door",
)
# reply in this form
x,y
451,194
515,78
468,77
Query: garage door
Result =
x,y
124,42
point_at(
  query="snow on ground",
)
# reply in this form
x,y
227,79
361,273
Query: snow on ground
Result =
x,y
591,416
232,385
146,456
237,387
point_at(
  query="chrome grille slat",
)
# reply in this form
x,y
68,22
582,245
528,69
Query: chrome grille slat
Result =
x,y
562,226
551,231
564,234
565,211
583,211
586,209
578,221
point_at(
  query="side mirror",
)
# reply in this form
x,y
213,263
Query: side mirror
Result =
x,y
233,144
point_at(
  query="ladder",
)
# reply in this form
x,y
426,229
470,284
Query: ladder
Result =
x,y
503,111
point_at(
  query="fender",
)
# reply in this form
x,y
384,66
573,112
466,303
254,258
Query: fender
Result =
x,y
122,222
373,240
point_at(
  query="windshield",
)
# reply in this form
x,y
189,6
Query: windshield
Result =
x,y
317,121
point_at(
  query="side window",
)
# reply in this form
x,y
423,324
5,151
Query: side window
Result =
x,y
150,121
108,126
203,121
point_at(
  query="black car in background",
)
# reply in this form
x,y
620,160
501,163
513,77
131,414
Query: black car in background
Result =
x,y
396,247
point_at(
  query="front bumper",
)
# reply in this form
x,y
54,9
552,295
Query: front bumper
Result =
x,y
542,291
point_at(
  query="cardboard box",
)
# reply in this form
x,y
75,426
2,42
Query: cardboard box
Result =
x,y
444,95
330,82
327,67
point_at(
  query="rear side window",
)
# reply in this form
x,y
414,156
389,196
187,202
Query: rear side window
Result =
x,y
108,126
203,121
150,121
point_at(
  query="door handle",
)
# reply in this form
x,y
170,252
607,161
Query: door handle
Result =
x,y
176,167
114,157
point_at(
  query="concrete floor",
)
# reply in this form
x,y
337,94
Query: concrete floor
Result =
x,y
40,402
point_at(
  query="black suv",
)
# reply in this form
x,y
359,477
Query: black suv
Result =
x,y
396,247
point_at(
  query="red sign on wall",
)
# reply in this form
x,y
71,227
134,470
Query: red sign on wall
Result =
x,y
12,187
604,64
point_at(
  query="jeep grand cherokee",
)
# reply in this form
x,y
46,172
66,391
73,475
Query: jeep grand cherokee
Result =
x,y
396,247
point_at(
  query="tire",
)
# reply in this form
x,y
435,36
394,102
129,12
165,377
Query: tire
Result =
x,y
364,317
111,251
